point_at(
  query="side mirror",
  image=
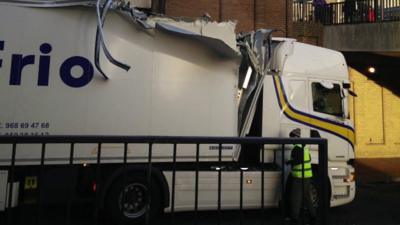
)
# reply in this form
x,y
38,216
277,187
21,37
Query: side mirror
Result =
x,y
347,86
352,93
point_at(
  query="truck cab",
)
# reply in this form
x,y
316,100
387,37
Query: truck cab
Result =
x,y
308,89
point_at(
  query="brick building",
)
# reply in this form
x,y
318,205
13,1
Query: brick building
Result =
x,y
250,15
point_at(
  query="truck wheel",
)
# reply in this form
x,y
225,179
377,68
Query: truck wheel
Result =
x,y
128,203
315,185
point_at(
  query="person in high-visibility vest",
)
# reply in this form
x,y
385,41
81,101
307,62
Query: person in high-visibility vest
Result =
x,y
301,173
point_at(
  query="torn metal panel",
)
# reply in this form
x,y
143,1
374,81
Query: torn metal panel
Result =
x,y
140,18
141,3
257,45
283,49
256,51
217,45
224,31
175,30
255,48
261,47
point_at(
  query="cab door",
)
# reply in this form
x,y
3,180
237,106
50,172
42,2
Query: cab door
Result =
x,y
328,104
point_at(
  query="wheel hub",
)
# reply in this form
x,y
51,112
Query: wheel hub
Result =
x,y
133,200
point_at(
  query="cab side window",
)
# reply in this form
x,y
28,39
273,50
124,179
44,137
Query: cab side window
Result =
x,y
327,100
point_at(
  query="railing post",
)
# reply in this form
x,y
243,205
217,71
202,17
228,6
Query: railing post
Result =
x,y
125,162
98,185
11,182
283,187
241,197
71,184
219,181
173,185
323,174
196,191
41,181
262,182
302,185
149,168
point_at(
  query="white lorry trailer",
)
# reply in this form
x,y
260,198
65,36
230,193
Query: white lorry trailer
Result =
x,y
193,78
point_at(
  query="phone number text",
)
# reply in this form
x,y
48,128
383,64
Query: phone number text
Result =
x,y
25,125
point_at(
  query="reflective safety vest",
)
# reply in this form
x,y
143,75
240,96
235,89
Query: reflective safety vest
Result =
x,y
297,169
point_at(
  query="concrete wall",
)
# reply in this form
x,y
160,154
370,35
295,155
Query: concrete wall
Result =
x,y
373,37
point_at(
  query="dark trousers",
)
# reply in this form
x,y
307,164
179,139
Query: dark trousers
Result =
x,y
296,198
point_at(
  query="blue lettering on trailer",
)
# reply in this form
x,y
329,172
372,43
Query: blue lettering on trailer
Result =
x,y
86,77
20,61
44,65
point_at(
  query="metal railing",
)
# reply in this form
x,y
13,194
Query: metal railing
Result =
x,y
347,12
17,171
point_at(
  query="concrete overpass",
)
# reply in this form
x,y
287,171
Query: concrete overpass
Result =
x,y
379,37
369,45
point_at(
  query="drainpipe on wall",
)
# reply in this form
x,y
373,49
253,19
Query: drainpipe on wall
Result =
x,y
255,15
161,6
286,18
220,11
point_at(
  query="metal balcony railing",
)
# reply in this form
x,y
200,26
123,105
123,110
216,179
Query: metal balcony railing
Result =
x,y
347,12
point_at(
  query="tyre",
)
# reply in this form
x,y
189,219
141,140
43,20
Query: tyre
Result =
x,y
127,202
314,195
315,185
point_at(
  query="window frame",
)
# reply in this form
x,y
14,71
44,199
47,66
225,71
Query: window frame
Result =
x,y
343,107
